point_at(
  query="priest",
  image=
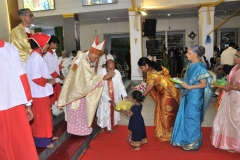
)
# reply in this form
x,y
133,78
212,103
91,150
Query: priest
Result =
x,y
113,91
20,34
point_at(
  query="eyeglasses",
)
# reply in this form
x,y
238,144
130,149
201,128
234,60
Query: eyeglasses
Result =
x,y
236,55
30,15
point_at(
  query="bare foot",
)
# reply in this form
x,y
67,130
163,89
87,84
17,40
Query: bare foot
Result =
x,y
112,130
102,130
136,148
50,146
54,138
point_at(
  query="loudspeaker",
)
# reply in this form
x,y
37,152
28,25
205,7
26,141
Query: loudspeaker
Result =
x,y
152,44
149,27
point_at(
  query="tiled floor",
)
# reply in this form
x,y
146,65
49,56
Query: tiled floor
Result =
x,y
149,107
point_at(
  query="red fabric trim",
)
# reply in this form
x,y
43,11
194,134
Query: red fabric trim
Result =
x,y
42,122
40,81
16,141
111,95
50,51
37,50
54,74
29,34
56,93
2,43
26,86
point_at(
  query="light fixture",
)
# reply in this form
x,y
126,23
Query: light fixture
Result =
x,y
169,14
32,25
108,19
144,13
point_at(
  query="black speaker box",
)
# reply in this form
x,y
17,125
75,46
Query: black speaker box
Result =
x,y
149,27
152,44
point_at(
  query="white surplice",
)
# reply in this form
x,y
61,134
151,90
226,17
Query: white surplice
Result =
x,y
66,62
11,68
103,111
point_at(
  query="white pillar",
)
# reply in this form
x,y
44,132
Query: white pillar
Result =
x,y
135,45
204,29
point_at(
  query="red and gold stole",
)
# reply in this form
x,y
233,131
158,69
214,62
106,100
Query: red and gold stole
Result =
x,y
96,66
111,95
28,34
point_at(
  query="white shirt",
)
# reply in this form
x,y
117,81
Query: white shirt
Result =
x,y
52,62
37,68
65,61
103,111
118,86
227,56
12,91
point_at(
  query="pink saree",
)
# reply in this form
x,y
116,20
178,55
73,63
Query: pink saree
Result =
x,y
226,125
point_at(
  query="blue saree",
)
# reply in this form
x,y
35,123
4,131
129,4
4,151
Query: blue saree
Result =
x,y
187,127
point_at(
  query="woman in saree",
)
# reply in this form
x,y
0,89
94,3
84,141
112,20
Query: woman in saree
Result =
x,y
196,93
226,125
164,94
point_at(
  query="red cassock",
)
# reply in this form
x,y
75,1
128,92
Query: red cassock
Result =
x,y
16,141
38,74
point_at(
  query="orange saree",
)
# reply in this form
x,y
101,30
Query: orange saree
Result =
x,y
166,97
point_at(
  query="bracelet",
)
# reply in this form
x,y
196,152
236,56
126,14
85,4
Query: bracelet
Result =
x,y
235,88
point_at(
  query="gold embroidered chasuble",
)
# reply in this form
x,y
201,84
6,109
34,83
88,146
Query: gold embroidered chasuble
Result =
x,y
82,82
19,38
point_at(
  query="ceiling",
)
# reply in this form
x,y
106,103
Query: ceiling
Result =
x,y
223,10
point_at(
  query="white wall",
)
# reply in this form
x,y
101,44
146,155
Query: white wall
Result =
x,y
87,32
4,25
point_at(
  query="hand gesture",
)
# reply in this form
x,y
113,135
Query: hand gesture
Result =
x,y
109,75
61,77
114,105
185,85
51,81
29,113
59,107
227,88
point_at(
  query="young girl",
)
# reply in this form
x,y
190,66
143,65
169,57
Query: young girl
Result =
x,y
136,127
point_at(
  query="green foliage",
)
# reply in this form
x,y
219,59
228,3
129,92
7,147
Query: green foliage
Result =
x,y
59,34
120,48
37,30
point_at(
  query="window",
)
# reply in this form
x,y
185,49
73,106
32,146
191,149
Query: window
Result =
x,y
157,51
228,35
176,39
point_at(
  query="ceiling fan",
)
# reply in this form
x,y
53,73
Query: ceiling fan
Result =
x,y
225,15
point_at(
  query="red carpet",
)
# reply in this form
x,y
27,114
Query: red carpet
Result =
x,y
108,146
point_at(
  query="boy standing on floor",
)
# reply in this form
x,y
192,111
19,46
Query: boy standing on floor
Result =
x,y
52,62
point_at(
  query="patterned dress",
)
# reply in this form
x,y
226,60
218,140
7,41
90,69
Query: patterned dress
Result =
x,y
77,120
136,128
166,97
